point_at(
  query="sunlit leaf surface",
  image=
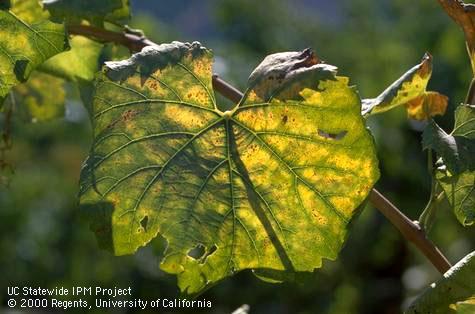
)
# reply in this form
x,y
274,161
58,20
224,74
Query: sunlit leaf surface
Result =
x,y
80,63
454,293
270,185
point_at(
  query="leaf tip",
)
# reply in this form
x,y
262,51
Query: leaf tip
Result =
x,y
280,70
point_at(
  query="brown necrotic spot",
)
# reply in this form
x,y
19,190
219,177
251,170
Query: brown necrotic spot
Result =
x,y
124,117
112,124
129,114
211,250
153,85
333,136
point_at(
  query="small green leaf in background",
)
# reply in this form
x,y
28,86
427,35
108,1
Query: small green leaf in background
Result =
x,y
454,293
81,63
78,65
271,185
41,103
114,11
410,91
457,152
28,39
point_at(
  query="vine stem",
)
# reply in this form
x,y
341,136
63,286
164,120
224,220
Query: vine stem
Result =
x,y
132,41
412,231
409,229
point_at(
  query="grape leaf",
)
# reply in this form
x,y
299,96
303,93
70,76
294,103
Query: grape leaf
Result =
x,y
115,11
453,293
432,102
458,148
27,40
458,152
270,185
456,174
464,15
410,91
460,192
80,63
36,96
77,65
465,122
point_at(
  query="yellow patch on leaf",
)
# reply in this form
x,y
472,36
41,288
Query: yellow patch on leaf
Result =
x,y
427,105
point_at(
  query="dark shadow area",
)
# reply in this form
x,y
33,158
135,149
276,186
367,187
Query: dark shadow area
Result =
x,y
253,198
99,217
20,68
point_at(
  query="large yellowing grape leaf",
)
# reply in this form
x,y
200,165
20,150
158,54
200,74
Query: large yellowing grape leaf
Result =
x,y
456,174
410,91
27,39
454,293
270,185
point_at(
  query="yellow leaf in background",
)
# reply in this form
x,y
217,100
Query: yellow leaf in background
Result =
x,y
409,91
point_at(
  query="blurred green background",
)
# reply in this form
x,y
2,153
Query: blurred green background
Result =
x,y
44,241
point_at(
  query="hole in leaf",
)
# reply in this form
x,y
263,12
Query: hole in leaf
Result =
x,y
20,69
333,136
144,222
211,250
197,252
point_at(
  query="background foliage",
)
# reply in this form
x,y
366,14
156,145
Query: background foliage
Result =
x,y
44,243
